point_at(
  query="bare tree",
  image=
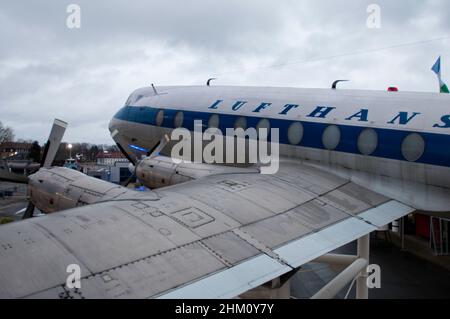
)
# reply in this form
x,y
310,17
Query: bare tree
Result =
x,y
6,133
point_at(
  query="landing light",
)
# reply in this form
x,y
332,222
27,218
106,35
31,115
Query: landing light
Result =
x,y
138,148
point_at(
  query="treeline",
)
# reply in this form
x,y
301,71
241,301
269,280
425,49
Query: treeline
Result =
x,y
6,133
83,152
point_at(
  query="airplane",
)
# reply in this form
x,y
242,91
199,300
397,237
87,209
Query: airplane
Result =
x,y
7,170
351,162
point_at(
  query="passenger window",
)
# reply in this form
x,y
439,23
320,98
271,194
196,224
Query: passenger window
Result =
x,y
413,147
295,133
214,121
241,122
368,141
331,137
179,118
160,117
263,124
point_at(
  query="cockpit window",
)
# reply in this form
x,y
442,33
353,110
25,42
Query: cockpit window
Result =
x,y
128,102
133,99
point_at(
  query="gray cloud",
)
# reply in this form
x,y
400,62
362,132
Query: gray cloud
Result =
x,y
85,75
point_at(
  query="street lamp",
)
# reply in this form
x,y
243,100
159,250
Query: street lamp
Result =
x,y
70,150
10,155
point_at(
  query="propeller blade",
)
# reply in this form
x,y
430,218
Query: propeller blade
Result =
x,y
159,147
29,212
21,211
128,180
132,169
54,140
153,153
113,135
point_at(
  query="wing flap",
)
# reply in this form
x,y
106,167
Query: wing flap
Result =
x,y
233,281
257,271
386,213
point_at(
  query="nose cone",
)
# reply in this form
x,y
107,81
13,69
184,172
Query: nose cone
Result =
x,y
113,125
119,131
121,115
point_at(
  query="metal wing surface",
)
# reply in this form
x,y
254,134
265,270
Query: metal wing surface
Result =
x,y
215,237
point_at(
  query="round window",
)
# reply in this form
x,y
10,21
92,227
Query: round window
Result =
x,y
241,122
413,147
179,118
368,141
213,121
331,137
160,117
265,125
295,133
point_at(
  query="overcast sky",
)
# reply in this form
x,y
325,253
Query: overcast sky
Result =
x,y
85,75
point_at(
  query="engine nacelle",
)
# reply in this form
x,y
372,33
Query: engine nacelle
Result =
x,y
60,188
161,171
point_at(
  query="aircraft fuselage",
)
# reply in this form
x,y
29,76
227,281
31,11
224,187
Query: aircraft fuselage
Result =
x,y
366,135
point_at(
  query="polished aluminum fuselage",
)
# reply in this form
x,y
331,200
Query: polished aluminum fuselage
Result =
x,y
424,182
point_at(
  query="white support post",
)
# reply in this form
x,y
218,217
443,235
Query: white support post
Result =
x,y
338,283
362,291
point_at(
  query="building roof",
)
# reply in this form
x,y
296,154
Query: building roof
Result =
x,y
15,145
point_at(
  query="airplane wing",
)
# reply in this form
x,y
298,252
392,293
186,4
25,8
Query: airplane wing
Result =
x,y
215,237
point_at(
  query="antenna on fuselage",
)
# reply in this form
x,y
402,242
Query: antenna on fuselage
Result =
x,y
208,83
154,89
335,83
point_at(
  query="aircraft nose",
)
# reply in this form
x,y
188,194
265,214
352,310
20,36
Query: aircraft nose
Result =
x,y
115,126
112,125
114,130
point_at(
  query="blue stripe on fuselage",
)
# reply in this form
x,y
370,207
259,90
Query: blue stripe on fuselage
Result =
x,y
437,146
